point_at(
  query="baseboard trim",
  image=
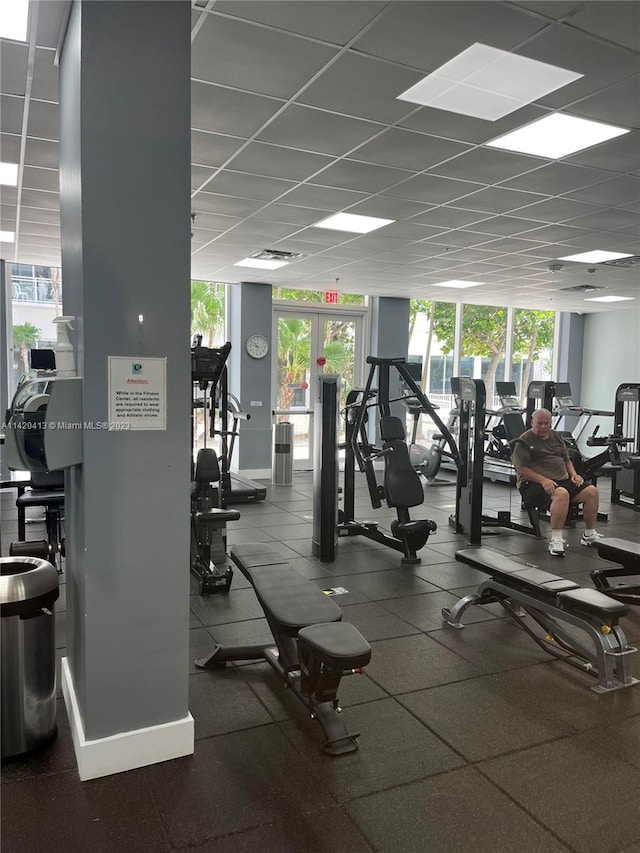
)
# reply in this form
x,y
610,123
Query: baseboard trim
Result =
x,y
126,750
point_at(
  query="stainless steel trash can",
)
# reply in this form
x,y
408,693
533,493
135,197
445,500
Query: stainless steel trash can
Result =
x,y
282,467
28,590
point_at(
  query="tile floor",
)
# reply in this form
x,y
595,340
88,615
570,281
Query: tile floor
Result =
x,y
471,740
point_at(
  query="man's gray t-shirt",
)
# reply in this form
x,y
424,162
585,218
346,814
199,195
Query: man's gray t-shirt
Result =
x,y
547,458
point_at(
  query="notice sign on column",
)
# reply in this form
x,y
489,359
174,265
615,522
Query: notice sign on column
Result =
x,y
137,393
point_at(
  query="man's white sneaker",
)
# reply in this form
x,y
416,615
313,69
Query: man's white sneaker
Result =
x,y
591,540
557,547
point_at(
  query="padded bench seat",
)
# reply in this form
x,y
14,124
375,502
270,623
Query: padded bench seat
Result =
x,y
291,600
37,498
500,566
340,645
619,551
591,602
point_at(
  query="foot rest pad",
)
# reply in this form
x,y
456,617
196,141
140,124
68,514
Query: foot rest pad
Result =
x,y
339,645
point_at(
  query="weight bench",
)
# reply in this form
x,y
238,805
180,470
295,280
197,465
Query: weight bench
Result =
x,y
557,605
313,648
628,555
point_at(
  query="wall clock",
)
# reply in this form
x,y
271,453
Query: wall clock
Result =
x,y
257,346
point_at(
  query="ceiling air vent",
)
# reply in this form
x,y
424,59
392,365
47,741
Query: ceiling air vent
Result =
x,y
277,255
633,261
582,288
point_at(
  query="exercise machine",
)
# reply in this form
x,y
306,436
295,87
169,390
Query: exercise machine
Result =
x,y
427,460
313,649
627,554
402,488
625,483
208,557
558,607
211,394
502,426
241,489
469,517
566,410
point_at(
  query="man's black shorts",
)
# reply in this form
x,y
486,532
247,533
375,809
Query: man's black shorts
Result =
x,y
534,495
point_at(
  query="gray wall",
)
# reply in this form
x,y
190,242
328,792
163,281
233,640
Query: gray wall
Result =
x,y
611,355
249,378
570,351
125,205
390,338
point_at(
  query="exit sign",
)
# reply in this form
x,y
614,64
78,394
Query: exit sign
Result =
x,y
331,297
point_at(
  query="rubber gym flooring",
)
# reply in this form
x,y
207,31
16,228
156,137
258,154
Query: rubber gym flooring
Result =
x,y
471,740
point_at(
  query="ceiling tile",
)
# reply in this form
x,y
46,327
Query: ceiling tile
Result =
x,y
291,214
280,63
205,202
229,112
617,155
275,161
600,64
335,22
43,120
229,182
616,192
558,210
466,128
432,189
407,149
426,35
557,179
315,130
11,109
360,86
9,148
486,166
13,67
496,200
42,152
41,179
325,198
622,28
612,105
364,177
212,149
389,208
449,217
45,77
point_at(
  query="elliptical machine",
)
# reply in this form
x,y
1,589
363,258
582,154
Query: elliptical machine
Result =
x,y
208,558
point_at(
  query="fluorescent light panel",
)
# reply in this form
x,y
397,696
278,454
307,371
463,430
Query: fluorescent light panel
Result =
x,y
14,19
609,298
9,174
458,284
596,257
260,265
557,135
353,223
487,83
7,236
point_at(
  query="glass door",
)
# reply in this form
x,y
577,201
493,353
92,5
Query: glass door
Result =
x,y
310,343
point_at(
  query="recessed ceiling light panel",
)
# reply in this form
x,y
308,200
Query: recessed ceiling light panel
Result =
x,y
14,19
9,174
353,223
609,298
487,83
458,284
557,135
259,264
7,236
596,257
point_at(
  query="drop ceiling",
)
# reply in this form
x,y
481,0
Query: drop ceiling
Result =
x,y
295,117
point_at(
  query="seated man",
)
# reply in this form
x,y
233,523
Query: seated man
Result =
x,y
546,475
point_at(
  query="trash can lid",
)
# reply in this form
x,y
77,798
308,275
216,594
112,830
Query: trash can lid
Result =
x,y
25,578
